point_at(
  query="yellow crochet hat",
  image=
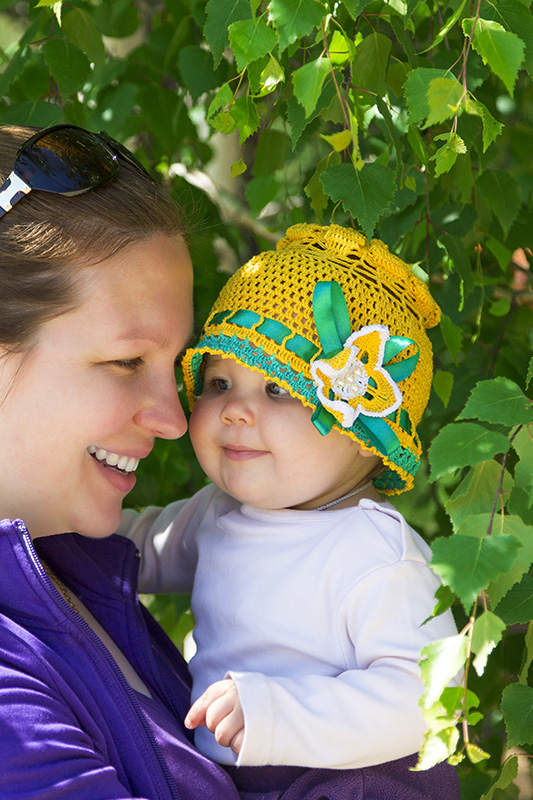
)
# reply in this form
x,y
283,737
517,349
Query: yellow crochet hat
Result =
x,y
340,323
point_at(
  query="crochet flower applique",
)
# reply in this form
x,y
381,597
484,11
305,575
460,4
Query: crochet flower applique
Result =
x,y
354,382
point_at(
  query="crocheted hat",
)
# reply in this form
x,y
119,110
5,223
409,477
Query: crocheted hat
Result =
x,y
340,323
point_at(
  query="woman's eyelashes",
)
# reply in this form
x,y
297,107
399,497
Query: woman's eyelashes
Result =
x,y
129,364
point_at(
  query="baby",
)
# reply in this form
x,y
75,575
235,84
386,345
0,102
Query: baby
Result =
x,y
309,590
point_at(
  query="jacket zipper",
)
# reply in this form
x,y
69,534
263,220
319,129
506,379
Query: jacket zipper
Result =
x,y
80,622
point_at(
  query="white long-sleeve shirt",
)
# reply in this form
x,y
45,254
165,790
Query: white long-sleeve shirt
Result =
x,y
316,615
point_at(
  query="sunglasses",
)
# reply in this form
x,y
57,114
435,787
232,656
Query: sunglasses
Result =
x,y
64,159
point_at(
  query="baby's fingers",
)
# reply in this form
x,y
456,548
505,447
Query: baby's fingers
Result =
x,y
197,714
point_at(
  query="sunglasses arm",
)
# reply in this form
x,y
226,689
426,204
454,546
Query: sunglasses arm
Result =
x,y
13,190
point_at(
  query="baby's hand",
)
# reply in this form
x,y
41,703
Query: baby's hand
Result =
x,y
219,709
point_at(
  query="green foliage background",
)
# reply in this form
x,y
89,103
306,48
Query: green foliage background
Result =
x,y
412,121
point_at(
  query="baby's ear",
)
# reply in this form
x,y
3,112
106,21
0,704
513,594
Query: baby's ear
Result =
x,y
367,453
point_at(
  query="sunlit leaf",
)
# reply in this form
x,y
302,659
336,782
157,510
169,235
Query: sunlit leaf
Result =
x,y
468,564
251,39
295,18
464,444
441,661
445,96
500,401
308,82
488,630
502,50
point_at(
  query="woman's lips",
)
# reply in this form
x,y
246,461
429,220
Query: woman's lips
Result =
x,y
235,453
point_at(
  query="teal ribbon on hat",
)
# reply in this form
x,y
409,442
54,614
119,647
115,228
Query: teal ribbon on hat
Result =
x,y
332,322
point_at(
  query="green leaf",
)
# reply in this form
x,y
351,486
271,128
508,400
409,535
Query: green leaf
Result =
x,y
416,89
340,48
514,526
365,193
459,261
524,469
295,19
445,97
446,156
487,633
517,707
196,69
220,15
477,492
308,82
251,39
271,152
443,385
446,28
296,112
369,65
314,189
491,127
271,76
468,564
528,655
453,336
339,141
516,17
80,29
475,753
517,604
502,50
529,376
437,747
499,401
441,661
355,7
260,191
237,168
464,444
505,777
244,112
503,254
68,65
502,193
14,68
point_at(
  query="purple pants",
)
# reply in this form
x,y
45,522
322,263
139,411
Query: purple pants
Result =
x,y
391,781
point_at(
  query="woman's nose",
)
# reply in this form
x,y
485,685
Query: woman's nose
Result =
x,y
163,414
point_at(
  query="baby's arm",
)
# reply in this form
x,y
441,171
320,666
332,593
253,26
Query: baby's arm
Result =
x,y
165,538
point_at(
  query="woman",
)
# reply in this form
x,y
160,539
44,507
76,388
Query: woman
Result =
x,y
95,306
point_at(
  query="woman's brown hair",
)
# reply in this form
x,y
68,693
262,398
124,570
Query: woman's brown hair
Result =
x,y
46,238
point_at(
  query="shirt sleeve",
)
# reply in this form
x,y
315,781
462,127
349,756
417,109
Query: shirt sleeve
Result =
x,y
165,538
368,713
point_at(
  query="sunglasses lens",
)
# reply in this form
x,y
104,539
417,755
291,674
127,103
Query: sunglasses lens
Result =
x,y
66,161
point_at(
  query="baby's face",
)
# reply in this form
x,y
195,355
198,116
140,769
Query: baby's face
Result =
x,y
257,443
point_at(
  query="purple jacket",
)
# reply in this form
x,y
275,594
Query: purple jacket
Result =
x,y
71,727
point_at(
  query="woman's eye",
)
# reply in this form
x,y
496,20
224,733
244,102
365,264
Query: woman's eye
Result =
x,y
127,363
275,390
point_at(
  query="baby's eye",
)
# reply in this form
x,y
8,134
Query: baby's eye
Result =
x,y
275,390
216,385
127,363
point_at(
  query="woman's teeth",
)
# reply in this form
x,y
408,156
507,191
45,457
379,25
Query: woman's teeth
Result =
x,y
114,460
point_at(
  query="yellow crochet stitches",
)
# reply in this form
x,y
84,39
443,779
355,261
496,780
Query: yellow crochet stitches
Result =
x,y
264,319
